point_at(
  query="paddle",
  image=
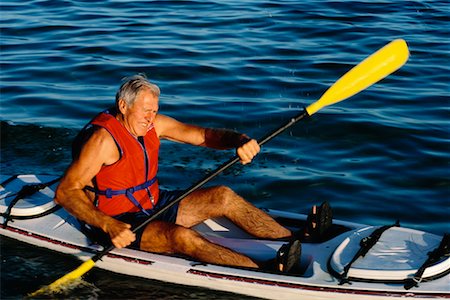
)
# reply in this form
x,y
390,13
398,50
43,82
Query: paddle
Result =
x,y
374,68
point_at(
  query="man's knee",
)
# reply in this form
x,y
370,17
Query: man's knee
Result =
x,y
224,195
186,240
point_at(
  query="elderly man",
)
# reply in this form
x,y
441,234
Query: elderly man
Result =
x,y
111,185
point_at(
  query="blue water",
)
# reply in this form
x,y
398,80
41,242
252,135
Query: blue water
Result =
x,y
247,65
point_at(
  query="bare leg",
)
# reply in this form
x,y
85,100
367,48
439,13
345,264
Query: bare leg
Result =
x,y
222,201
163,237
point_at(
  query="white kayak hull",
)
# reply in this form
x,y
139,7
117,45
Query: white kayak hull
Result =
x,y
59,231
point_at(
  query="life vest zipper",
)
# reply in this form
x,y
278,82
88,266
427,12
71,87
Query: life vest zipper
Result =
x,y
147,165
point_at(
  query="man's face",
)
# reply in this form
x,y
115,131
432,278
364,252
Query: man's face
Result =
x,y
139,117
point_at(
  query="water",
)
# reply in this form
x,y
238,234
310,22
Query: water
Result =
x,y
247,65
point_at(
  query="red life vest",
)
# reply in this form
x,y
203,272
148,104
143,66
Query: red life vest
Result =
x,y
130,184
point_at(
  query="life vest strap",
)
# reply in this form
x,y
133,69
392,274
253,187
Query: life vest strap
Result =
x,y
109,193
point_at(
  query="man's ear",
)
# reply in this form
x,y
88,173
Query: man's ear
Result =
x,y
122,106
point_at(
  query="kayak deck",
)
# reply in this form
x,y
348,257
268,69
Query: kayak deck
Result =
x,y
317,277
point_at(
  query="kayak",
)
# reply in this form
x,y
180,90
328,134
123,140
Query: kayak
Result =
x,y
353,261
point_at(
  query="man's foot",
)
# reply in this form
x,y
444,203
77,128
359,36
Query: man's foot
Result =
x,y
288,256
318,222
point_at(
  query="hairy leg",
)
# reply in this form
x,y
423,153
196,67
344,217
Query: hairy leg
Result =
x,y
163,237
222,201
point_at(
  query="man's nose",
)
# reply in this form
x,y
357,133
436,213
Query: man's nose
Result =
x,y
150,116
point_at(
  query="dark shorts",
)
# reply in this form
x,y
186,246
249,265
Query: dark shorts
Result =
x,y
135,219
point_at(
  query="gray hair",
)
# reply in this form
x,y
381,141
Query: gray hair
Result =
x,y
132,86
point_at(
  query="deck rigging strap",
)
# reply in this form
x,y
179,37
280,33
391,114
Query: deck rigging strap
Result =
x,y
433,256
365,245
26,191
9,180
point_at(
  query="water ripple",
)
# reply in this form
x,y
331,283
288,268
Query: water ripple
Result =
x,y
251,66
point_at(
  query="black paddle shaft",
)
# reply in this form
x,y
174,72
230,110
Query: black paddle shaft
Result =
x,y
209,177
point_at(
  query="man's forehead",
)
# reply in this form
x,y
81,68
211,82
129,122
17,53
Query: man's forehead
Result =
x,y
147,96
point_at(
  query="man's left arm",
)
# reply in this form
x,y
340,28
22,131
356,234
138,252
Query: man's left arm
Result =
x,y
246,148
222,139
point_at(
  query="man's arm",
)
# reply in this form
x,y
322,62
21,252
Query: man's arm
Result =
x,y
174,130
99,150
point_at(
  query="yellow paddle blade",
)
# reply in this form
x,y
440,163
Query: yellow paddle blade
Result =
x,y
58,285
374,68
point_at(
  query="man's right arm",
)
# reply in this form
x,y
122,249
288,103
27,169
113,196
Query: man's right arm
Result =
x,y
99,150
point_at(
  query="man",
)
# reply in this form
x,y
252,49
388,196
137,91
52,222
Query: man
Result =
x,y
111,185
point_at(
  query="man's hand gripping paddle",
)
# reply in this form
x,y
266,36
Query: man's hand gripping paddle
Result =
x,y
374,68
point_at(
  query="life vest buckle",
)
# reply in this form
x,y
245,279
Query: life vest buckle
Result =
x,y
109,193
